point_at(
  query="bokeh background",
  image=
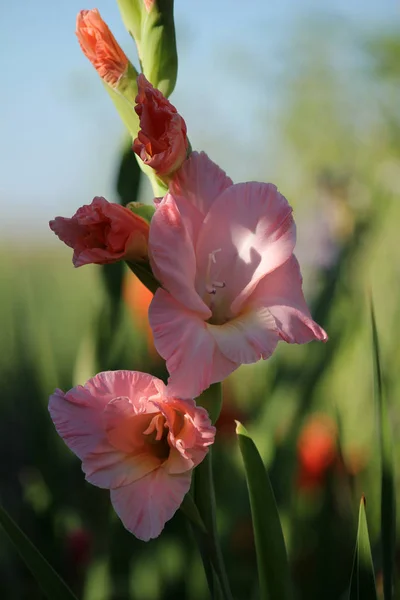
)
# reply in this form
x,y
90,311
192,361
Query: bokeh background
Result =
x,y
304,93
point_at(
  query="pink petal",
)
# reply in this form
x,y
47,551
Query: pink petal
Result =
x,y
172,255
147,504
281,291
200,181
124,427
114,469
189,437
247,338
222,366
183,340
252,224
134,385
77,416
177,463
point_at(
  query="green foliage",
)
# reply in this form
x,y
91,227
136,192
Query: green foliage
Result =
x,y
158,46
362,586
272,562
53,587
388,500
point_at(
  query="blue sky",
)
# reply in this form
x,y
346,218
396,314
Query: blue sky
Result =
x,y
60,133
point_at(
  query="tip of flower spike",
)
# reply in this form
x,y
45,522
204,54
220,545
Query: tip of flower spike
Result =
x,y
149,4
100,47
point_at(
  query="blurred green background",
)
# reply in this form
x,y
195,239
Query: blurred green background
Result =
x,y
319,116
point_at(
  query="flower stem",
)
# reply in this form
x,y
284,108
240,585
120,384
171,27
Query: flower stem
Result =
x,y
144,273
204,496
205,500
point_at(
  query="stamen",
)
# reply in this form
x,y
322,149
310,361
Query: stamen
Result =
x,y
156,425
211,286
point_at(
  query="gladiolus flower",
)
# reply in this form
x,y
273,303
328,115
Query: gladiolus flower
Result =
x,y
136,440
103,232
232,286
100,46
161,142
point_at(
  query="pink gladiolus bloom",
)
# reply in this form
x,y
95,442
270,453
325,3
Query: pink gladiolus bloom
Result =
x,y
100,46
232,287
136,440
162,142
103,232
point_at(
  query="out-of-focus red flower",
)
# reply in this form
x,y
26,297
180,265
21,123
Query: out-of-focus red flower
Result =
x,y
316,451
137,298
78,548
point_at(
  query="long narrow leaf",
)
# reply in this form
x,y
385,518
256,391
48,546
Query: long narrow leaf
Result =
x,y
362,584
273,568
50,582
191,512
388,501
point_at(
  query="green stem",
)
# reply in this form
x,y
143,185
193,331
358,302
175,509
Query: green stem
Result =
x,y
205,499
144,273
204,496
211,400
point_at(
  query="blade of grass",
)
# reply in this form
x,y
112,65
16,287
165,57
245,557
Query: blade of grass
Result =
x,y
362,583
272,562
388,501
51,583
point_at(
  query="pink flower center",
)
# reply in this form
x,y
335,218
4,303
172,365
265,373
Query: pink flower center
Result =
x,y
214,298
157,437
96,235
144,433
212,286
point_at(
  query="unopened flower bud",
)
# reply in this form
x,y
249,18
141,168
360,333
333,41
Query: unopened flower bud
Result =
x,y
162,142
103,232
111,63
100,46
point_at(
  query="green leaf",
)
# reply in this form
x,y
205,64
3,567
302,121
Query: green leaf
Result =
x,y
191,512
362,584
129,175
50,582
388,500
272,562
211,400
209,544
